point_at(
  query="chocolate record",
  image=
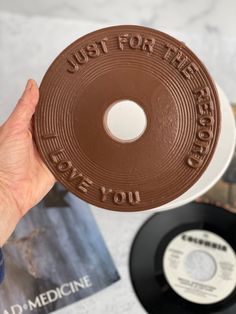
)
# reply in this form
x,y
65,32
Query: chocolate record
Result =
x,y
157,72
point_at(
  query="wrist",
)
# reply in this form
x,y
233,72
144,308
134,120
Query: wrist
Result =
x,y
9,214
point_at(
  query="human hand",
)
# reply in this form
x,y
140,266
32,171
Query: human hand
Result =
x,y
24,178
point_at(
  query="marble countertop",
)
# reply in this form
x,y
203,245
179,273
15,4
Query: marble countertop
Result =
x,y
33,34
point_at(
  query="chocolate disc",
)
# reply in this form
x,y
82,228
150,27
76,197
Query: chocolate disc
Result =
x,y
157,72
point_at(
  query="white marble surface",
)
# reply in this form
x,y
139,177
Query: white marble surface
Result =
x,y
31,36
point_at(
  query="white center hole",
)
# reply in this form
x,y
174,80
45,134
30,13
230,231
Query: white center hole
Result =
x,y
125,121
200,265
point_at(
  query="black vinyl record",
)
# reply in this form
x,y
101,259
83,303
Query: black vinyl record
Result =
x,y
170,249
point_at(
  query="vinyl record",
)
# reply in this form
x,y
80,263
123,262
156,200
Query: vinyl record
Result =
x,y
184,261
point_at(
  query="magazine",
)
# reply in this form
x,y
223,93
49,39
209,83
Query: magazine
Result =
x,y
55,257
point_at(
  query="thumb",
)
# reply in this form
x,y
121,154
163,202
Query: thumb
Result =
x,y
25,107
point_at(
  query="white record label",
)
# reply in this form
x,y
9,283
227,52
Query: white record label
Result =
x,y
200,266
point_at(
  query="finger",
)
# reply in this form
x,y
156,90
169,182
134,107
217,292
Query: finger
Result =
x,y
25,108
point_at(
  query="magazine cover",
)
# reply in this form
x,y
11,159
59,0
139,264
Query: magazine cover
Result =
x,y
55,257
224,192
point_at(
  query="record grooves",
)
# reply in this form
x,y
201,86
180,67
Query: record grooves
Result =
x,y
171,276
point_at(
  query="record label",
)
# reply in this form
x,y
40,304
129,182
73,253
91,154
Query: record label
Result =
x,y
200,266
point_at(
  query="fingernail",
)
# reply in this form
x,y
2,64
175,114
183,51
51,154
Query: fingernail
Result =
x,y
28,85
